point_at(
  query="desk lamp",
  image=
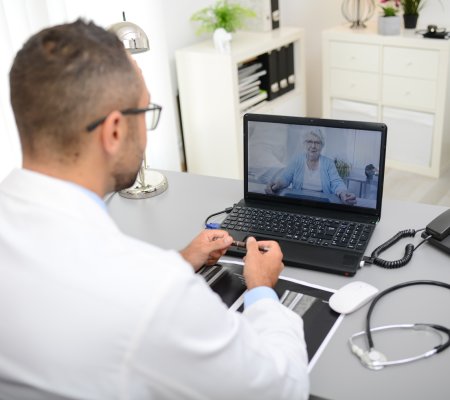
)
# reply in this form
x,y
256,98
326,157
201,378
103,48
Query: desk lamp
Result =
x,y
148,183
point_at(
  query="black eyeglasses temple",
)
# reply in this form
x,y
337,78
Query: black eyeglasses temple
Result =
x,y
127,111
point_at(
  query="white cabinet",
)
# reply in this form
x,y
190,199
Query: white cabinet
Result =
x,y
400,80
209,98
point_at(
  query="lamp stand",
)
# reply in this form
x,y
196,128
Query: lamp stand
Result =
x,y
148,184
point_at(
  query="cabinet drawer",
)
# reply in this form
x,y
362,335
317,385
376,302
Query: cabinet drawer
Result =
x,y
357,57
415,63
410,136
354,85
407,92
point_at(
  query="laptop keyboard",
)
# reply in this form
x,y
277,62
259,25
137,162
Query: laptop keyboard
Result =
x,y
326,232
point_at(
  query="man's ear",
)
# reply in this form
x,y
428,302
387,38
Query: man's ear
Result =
x,y
113,132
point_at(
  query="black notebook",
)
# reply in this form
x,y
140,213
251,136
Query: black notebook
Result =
x,y
313,185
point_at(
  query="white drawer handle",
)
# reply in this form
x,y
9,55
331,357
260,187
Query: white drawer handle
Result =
x,y
407,93
409,63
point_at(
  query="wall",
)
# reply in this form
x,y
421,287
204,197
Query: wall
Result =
x,y
314,16
21,18
168,27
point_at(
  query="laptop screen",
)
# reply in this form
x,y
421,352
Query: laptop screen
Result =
x,y
315,161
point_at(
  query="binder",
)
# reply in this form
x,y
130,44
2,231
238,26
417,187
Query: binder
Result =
x,y
282,70
275,14
271,83
267,15
290,66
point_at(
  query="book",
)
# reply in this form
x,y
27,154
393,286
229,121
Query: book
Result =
x,y
253,92
251,78
247,70
244,105
250,86
307,300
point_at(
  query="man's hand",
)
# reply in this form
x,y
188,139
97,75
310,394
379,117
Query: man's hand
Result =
x,y
262,268
207,248
348,198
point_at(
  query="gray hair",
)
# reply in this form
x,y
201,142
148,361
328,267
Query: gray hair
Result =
x,y
317,132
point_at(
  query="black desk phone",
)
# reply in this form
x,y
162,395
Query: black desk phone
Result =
x,y
439,229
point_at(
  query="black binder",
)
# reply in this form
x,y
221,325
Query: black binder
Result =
x,y
275,14
290,66
282,70
272,72
269,82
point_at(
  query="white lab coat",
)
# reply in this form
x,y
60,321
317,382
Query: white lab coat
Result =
x,y
90,313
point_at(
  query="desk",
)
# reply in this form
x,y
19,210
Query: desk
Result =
x,y
173,218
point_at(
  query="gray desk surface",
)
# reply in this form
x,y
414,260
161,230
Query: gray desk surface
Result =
x,y
172,219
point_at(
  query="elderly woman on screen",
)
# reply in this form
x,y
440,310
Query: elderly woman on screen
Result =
x,y
312,171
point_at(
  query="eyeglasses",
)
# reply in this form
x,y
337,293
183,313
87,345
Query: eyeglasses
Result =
x,y
311,142
152,114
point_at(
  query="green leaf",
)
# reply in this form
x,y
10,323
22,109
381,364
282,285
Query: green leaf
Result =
x,y
229,16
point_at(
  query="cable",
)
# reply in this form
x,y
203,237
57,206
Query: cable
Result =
x,y
409,250
216,225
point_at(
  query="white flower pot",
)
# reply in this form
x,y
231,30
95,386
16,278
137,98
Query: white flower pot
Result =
x,y
389,25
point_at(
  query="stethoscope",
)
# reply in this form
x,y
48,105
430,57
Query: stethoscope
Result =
x,y
374,359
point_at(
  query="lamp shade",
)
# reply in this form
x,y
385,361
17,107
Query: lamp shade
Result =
x,y
132,36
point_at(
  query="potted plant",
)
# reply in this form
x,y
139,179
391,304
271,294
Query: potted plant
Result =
x,y
411,9
389,22
226,15
343,167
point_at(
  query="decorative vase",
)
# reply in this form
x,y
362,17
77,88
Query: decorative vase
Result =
x,y
389,25
410,21
358,11
222,40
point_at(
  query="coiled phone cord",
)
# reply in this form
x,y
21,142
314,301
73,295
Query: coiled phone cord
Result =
x,y
409,250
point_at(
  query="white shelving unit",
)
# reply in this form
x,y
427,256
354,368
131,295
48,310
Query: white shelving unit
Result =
x,y
209,98
400,80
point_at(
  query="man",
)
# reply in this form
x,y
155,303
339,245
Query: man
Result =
x,y
87,312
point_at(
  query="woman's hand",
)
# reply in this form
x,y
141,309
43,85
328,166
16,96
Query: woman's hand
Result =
x,y
348,198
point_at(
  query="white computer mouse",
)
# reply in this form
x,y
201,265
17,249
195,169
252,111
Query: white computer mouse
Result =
x,y
351,297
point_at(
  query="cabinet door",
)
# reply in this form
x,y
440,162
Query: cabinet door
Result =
x,y
413,63
409,92
409,136
357,57
354,85
353,110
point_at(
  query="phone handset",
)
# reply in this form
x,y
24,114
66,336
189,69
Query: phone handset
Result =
x,y
438,231
439,228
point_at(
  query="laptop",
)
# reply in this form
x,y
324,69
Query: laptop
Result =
x,y
314,185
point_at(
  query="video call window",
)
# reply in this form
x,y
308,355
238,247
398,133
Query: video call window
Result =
x,y
314,163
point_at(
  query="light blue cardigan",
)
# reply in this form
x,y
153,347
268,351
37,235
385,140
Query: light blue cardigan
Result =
x,y
332,183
